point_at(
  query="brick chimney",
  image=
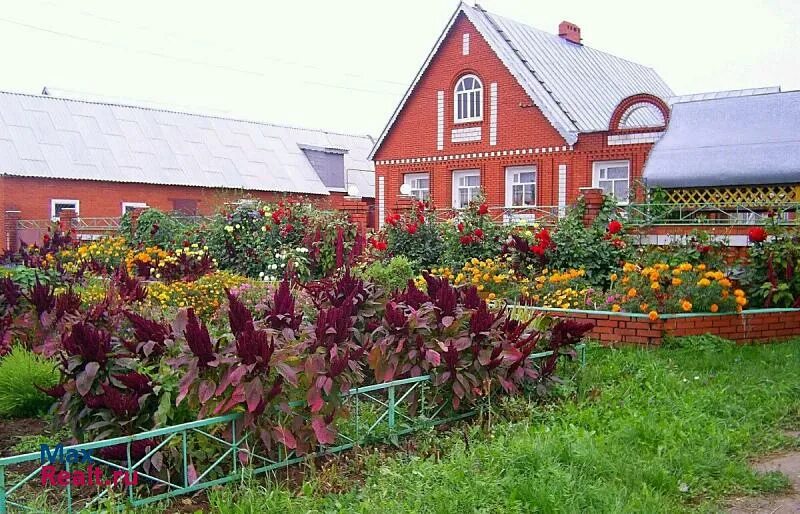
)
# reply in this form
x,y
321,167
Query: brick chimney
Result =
x,y
570,32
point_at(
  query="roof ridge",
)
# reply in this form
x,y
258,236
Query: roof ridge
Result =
x,y
187,113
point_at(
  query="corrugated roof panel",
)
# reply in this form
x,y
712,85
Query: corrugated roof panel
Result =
x,y
108,142
738,140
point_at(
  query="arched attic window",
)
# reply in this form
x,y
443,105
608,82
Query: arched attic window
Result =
x,y
468,101
642,115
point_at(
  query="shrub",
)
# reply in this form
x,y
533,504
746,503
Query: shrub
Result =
x,y
417,236
599,249
772,278
22,373
156,228
472,234
390,275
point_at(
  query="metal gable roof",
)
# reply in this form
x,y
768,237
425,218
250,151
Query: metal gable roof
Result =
x,y
50,137
735,140
576,87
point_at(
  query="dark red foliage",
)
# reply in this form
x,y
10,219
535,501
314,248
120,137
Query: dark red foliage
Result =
x,y
282,312
199,340
481,321
125,405
91,343
333,326
57,391
255,347
136,382
412,296
471,298
239,315
42,297
10,291
568,332
339,247
67,302
395,316
148,330
443,295
131,289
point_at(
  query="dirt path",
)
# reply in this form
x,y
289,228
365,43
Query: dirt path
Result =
x,y
789,465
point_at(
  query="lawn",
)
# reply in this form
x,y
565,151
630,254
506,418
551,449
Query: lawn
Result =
x,y
645,431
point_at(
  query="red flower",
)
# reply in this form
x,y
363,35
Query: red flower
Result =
x,y
614,227
411,228
392,219
478,233
461,227
703,248
757,234
483,209
465,240
421,205
378,244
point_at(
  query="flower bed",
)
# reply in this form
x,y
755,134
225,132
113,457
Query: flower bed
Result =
x,y
749,326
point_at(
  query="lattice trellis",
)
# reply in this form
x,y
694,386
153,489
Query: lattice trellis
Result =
x,y
754,196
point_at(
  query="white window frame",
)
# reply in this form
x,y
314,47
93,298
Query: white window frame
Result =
x,y
54,201
456,189
409,179
512,213
597,168
133,205
470,98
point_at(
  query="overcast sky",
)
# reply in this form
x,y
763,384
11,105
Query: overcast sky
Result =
x,y
344,65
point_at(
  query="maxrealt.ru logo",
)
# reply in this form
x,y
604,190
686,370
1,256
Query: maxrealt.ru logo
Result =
x,y
55,459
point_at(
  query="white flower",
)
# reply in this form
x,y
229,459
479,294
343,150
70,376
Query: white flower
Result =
x,y
264,228
238,226
228,228
205,248
274,266
261,274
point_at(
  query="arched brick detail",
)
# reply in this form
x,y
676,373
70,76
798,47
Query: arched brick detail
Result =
x,y
616,118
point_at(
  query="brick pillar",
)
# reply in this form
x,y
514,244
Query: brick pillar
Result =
x,y
357,211
66,219
135,213
593,203
10,228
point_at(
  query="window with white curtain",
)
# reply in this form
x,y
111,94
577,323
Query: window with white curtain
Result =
x,y
520,186
613,177
466,187
468,104
420,185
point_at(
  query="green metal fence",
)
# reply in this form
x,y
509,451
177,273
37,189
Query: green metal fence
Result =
x,y
380,412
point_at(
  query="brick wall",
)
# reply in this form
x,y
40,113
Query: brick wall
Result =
x,y
520,126
753,326
32,196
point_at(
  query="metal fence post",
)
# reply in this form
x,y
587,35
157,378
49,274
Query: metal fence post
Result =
x,y
391,408
185,460
234,445
2,490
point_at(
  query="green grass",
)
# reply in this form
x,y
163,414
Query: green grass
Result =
x,y
651,431
20,372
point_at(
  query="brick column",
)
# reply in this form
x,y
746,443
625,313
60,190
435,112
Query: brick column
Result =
x,y
135,213
356,210
593,203
66,219
11,241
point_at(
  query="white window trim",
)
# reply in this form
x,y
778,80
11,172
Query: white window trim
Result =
x,y
409,177
455,100
512,215
54,201
458,174
597,165
135,205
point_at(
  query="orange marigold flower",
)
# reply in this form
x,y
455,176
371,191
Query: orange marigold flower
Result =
x,y
653,315
632,292
714,307
615,308
655,286
686,305
676,281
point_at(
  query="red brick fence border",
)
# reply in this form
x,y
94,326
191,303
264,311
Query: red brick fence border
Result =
x,y
750,326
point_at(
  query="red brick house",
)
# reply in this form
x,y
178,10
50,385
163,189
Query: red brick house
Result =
x,y
102,159
527,116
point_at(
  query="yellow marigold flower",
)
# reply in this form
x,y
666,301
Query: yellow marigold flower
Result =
x,y
738,292
643,307
724,282
725,294
632,292
686,305
492,296
704,282
485,277
614,277
474,261
676,281
655,286
615,308
480,287
625,280
741,300
701,267
714,307
653,315
654,277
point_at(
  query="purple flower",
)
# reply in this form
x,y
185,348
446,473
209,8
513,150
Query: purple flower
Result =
x,y
199,340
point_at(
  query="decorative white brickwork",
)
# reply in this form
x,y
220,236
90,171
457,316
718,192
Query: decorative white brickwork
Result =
x,y
440,120
466,134
493,113
634,139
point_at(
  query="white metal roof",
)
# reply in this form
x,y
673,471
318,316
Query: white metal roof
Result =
x,y
711,95
50,137
576,87
728,141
